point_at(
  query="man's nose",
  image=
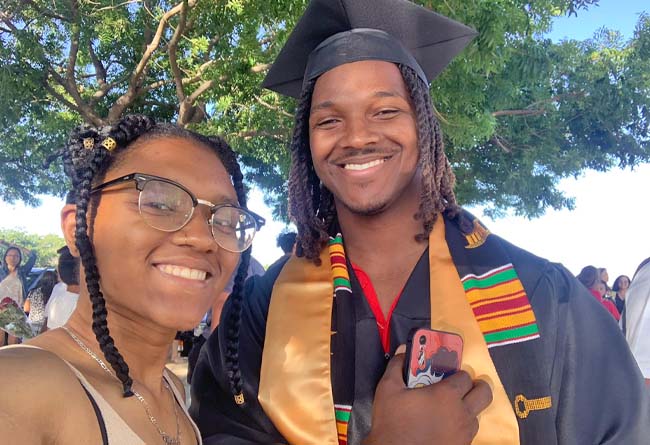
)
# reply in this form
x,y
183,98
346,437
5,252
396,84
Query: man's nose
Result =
x,y
359,133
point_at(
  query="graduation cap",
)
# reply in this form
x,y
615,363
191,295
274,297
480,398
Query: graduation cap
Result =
x,y
334,32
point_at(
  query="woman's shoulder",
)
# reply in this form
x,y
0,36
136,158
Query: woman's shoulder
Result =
x,y
35,384
33,370
28,360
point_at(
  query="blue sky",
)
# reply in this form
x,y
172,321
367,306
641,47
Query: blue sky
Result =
x,y
620,15
606,229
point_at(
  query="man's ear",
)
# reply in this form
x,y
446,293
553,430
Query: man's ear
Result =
x,y
69,226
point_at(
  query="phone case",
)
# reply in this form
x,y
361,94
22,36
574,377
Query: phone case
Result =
x,y
431,356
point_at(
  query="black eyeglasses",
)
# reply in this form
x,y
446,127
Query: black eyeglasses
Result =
x,y
168,206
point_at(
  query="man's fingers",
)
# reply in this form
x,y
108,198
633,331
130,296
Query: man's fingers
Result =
x,y
478,398
460,382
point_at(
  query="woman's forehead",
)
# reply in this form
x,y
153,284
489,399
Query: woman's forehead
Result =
x,y
186,161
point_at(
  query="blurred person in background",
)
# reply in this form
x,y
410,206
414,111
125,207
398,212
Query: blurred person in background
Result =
x,y
620,287
37,299
604,277
636,321
13,279
589,276
66,293
287,242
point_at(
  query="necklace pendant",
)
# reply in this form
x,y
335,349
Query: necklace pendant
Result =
x,y
171,440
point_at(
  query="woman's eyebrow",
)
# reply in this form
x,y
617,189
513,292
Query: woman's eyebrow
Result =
x,y
221,199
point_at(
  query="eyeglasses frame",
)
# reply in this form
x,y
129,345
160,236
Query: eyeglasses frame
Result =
x,y
142,178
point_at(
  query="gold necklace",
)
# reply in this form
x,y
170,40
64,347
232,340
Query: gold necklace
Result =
x,y
169,440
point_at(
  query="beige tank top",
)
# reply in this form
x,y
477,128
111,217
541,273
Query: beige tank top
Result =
x,y
117,430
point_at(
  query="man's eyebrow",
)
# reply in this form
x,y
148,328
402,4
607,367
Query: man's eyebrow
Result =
x,y
322,105
329,103
391,93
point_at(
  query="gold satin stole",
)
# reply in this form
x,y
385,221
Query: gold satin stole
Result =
x,y
295,382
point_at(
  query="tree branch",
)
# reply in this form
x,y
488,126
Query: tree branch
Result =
x,y
147,29
273,107
100,71
518,113
108,8
200,90
497,140
199,73
132,91
186,81
557,98
152,86
213,42
45,12
249,134
80,106
260,68
61,98
534,110
7,21
74,44
171,50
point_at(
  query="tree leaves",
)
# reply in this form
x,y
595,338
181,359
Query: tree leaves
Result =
x,y
519,112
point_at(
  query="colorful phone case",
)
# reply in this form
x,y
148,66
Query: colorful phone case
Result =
x,y
431,356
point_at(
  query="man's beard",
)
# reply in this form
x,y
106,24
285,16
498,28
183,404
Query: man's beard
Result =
x,y
368,209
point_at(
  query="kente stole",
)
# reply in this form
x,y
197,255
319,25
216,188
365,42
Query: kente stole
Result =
x,y
295,388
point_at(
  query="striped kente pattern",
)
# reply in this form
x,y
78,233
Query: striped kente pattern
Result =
x,y
342,419
340,274
501,306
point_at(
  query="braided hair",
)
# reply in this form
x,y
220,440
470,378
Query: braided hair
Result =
x,y
89,154
311,205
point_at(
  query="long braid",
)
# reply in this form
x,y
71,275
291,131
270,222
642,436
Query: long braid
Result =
x,y
438,179
233,326
86,166
306,203
86,173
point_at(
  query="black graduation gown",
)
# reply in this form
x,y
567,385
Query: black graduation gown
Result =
x,y
581,359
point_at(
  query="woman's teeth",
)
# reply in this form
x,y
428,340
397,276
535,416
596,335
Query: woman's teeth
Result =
x,y
183,272
364,166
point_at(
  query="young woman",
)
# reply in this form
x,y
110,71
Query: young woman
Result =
x,y
159,224
590,277
621,284
13,280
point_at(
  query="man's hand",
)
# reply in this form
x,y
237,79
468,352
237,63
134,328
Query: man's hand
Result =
x,y
442,413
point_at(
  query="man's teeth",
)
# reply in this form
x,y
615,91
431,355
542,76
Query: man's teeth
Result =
x,y
183,272
363,166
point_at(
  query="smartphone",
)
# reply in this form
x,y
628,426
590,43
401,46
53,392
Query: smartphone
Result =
x,y
431,356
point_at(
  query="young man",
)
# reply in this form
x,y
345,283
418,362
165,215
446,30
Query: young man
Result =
x,y
371,193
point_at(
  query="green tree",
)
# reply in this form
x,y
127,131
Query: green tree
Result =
x,y
45,246
519,111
